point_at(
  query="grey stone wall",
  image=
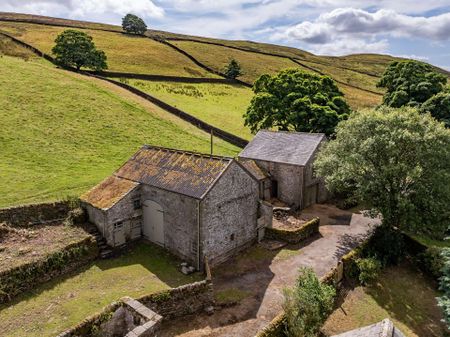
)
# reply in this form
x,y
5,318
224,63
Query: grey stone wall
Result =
x,y
34,213
184,300
229,214
180,221
124,212
290,181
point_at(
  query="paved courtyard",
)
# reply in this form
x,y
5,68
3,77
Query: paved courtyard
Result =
x,y
260,275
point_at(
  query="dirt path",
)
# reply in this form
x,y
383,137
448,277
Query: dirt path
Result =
x,y
259,275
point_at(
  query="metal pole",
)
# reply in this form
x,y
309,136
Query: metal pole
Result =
x,y
212,137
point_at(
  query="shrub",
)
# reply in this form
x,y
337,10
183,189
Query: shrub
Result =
x,y
307,304
233,70
444,286
369,268
387,244
432,261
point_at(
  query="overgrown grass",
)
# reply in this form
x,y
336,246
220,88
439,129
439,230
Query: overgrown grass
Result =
x,y
10,48
401,294
232,295
55,306
125,53
221,105
62,133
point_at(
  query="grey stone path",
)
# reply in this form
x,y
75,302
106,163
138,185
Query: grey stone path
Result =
x,y
261,280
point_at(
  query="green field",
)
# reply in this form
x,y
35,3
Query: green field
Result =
x,y
253,64
221,105
63,133
402,294
57,305
125,53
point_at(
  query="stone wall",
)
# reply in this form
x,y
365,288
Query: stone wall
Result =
x,y
229,214
141,316
17,280
184,300
294,236
28,215
180,221
290,181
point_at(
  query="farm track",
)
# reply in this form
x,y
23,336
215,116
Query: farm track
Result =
x,y
197,62
222,134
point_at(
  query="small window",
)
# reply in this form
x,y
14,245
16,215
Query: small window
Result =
x,y
118,225
137,204
232,237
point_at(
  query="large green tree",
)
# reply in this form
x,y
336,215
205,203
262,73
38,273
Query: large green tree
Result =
x,y
295,100
74,48
395,161
133,24
410,83
439,107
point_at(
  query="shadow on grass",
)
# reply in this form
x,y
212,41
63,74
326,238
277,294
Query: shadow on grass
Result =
x,y
409,297
155,259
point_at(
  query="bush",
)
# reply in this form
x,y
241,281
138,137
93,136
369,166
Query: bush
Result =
x,y
444,286
369,268
387,245
432,261
307,305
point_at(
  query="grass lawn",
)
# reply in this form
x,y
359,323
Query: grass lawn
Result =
x,y
402,294
125,53
57,305
429,242
63,133
221,105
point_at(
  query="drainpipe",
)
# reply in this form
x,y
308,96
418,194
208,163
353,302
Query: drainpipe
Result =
x,y
198,235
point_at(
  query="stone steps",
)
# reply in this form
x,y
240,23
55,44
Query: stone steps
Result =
x,y
105,251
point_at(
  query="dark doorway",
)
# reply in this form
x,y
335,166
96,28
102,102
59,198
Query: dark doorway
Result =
x,y
274,192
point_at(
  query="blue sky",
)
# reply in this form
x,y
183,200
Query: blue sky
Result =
x,y
418,29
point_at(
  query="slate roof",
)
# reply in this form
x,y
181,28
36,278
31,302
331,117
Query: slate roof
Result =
x,y
283,147
385,328
108,192
187,173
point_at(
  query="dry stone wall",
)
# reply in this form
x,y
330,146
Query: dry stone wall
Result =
x,y
34,214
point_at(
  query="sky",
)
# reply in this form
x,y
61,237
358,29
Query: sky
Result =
x,y
417,29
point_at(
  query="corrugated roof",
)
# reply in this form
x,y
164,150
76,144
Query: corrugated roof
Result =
x,y
253,168
108,192
283,147
184,172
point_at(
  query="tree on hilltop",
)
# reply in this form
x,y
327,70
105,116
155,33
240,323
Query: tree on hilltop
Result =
x,y
74,48
133,24
295,100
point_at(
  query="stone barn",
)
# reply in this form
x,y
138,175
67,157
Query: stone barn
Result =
x,y
287,157
192,204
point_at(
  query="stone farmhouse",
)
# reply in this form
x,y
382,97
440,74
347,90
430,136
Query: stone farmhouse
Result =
x,y
197,206
202,206
286,158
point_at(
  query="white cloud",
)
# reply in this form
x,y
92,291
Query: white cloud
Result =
x,y
84,8
345,30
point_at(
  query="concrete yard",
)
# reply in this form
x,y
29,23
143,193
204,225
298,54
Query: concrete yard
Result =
x,y
255,279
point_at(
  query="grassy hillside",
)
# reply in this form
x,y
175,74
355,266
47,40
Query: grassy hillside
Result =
x,y
221,105
62,133
125,53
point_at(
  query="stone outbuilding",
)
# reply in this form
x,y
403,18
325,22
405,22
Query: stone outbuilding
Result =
x,y
286,158
197,206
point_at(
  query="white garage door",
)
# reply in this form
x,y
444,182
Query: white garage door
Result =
x,y
153,224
